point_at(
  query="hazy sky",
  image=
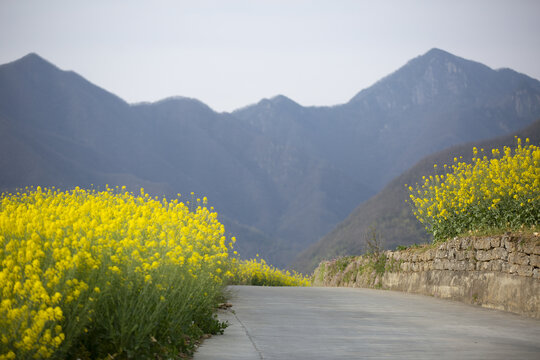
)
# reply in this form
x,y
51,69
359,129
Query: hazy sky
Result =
x,y
229,54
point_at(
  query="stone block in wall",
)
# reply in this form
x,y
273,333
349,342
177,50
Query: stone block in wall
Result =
x,y
525,270
496,265
441,254
499,253
438,264
455,243
460,255
513,268
518,258
536,250
482,244
534,260
527,247
483,266
483,255
470,254
522,259
471,266
510,243
405,266
536,273
465,243
495,242
428,255
460,266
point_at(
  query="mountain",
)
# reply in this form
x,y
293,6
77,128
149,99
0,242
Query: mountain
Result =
x,y
281,175
388,210
435,101
57,129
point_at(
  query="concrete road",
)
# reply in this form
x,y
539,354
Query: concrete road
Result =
x,y
344,323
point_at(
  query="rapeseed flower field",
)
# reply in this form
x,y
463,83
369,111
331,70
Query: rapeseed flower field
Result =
x,y
96,274
258,272
498,192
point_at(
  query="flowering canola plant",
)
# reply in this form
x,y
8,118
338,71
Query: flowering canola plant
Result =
x,y
258,272
65,255
499,192
97,274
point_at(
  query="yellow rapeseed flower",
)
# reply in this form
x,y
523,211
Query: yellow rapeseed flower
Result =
x,y
498,192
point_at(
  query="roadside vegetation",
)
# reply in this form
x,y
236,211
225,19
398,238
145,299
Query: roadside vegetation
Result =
x,y
108,274
489,195
493,193
258,272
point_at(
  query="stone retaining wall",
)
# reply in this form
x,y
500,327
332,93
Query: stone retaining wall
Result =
x,y
501,272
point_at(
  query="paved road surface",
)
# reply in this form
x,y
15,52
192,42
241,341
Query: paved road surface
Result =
x,y
343,323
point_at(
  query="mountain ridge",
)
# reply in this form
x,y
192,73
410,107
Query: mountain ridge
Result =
x,y
280,174
65,136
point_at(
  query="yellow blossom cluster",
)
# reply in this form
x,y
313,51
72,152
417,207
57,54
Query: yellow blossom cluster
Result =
x,y
60,252
495,192
258,272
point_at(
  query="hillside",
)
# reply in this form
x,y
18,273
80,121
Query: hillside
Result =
x,y
388,210
281,175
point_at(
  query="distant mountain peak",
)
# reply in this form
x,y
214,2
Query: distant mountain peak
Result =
x,y
435,55
423,78
437,52
33,59
179,99
32,56
279,101
178,103
281,98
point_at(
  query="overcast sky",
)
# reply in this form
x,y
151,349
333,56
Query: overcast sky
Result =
x,y
230,54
